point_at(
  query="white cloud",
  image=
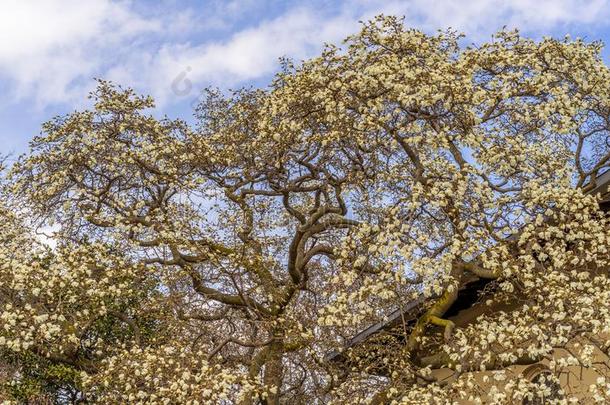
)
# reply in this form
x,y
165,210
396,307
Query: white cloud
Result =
x,y
479,18
50,50
47,235
248,54
46,45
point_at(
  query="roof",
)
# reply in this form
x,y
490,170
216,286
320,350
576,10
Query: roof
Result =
x,y
467,296
603,188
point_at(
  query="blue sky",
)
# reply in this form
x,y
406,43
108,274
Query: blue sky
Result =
x,y
50,50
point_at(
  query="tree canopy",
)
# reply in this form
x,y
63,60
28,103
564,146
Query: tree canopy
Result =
x,y
222,262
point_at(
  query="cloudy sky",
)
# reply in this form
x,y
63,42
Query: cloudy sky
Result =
x,y
50,50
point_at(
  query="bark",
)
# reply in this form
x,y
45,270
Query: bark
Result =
x,y
274,373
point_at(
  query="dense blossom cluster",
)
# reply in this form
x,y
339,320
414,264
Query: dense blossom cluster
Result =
x,y
223,263
165,375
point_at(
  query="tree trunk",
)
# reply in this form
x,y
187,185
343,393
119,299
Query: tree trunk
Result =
x,y
274,372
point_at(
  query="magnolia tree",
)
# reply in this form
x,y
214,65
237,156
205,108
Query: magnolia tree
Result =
x,y
222,263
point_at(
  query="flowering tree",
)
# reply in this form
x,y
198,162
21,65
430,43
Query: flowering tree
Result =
x,y
222,263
